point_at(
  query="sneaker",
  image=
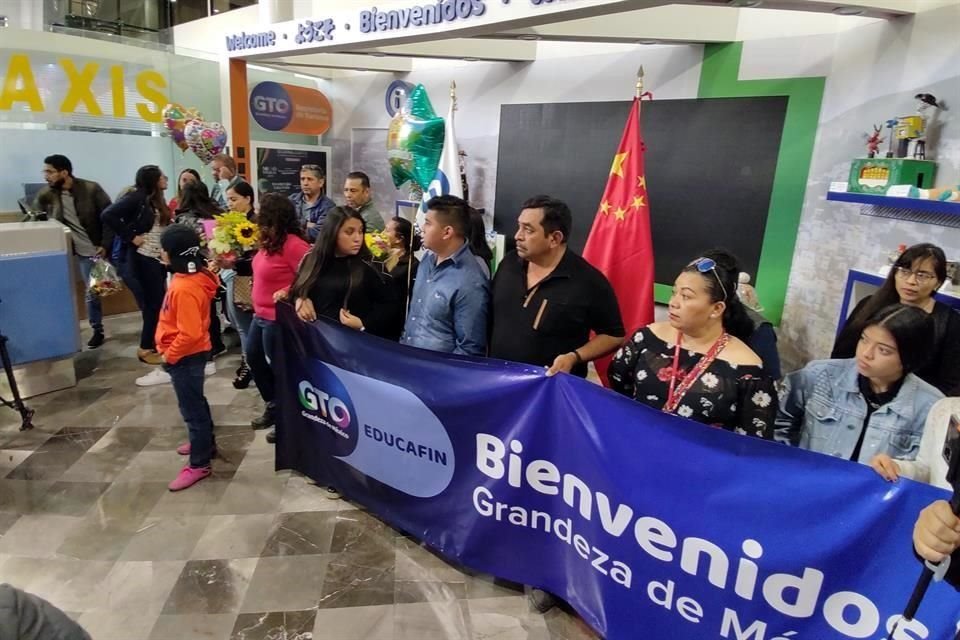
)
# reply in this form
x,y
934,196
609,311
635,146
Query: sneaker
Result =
x,y
148,356
333,494
541,600
155,377
272,436
267,420
218,351
97,340
188,477
184,450
209,369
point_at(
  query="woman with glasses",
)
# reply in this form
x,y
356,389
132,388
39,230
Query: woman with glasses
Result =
x,y
913,279
873,404
697,365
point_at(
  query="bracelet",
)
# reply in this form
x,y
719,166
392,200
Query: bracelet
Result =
x,y
576,354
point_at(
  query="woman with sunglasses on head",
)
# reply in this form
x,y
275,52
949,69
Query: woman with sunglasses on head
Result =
x,y
913,279
697,365
872,404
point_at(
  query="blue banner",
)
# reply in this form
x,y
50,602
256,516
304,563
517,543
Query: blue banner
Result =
x,y
651,526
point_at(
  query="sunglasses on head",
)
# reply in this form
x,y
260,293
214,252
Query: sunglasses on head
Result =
x,y
705,265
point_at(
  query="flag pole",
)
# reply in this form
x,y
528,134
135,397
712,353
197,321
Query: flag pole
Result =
x,y
453,93
639,88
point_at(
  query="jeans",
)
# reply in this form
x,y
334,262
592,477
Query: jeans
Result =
x,y
261,342
151,276
239,318
94,309
187,378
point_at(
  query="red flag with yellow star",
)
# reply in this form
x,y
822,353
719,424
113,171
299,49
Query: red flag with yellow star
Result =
x,y
619,243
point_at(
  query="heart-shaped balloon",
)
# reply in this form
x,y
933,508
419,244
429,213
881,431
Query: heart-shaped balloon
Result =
x,y
415,140
205,139
175,118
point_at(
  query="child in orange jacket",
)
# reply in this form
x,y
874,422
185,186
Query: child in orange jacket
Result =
x,y
183,339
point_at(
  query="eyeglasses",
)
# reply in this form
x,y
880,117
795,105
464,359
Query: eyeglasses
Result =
x,y
922,277
705,265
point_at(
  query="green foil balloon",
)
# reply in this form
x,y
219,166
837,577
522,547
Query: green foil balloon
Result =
x,y
415,140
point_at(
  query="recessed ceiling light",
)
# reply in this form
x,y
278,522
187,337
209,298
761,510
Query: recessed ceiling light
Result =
x,y
648,42
528,36
847,11
471,59
378,54
745,4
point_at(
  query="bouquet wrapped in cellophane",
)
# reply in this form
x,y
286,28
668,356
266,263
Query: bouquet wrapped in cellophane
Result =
x,y
233,235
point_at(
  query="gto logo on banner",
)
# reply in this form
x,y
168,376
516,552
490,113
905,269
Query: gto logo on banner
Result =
x,y
290,109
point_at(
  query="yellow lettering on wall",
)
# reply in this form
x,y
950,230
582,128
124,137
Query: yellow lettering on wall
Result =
x,y
19,85
148,84
119,97
79,89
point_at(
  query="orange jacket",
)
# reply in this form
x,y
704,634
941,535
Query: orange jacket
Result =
x,y
184,327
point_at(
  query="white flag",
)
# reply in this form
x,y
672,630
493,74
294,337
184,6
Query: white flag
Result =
x,y
446,181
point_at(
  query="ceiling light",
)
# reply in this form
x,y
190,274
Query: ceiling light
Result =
x,y
746,4
648,42
528,36
847,11
378,54
471,59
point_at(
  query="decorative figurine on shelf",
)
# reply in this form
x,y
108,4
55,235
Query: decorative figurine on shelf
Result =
x,y
914,128
874,141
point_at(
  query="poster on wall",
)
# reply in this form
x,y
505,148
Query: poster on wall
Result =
x,y
290,109
277,166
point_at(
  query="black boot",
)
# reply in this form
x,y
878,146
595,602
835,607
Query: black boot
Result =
x,y
268,419
97,340
244,375
272,436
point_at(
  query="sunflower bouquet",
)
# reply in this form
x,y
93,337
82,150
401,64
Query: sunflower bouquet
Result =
x,y
233,235
378,244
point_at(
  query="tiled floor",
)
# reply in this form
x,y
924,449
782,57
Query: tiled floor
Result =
x,y
86,521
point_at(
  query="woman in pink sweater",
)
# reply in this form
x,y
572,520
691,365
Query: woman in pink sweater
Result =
x,y
282,247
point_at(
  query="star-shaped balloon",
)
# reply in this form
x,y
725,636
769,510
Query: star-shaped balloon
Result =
x,y
415,140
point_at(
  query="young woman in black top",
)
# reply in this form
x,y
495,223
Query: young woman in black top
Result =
x,y
913,279
401,266
336,282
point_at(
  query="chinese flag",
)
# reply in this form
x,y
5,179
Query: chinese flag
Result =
x,y
619,244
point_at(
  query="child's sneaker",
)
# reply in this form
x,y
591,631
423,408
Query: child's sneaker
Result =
x,y
184,450
188,477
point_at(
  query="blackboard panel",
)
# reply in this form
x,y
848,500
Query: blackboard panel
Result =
x,y
710,169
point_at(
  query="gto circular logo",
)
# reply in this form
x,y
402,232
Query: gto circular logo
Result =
x,y
271,106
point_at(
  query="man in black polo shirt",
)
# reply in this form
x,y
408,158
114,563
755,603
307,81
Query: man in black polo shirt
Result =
x,y
547,299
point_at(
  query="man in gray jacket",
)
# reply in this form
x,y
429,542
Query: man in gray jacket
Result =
x,y
24,616
77,204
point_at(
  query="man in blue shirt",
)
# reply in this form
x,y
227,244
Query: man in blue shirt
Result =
x,y
311,205
448,308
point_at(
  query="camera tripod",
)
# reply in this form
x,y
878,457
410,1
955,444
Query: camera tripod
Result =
x,y
26,413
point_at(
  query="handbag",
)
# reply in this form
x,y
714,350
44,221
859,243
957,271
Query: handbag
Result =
x,y
243,292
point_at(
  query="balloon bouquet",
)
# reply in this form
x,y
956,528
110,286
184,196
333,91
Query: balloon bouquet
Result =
x,y
190,131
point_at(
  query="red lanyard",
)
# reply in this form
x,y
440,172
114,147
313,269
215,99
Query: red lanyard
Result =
x,y
676,394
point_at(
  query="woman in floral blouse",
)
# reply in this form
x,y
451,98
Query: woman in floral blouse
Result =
x,y
697,365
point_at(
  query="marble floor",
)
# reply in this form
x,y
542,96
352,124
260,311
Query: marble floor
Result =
x,y
86,521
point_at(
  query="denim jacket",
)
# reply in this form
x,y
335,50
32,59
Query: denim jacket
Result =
x,y
822,409
448,308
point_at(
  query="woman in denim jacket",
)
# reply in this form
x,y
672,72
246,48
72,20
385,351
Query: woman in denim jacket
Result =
x,y
869,405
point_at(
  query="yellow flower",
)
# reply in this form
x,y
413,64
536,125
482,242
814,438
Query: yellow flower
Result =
x,y
245,233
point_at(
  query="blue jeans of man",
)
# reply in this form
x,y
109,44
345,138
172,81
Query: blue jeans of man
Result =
x,y
187,378
261,342
94,309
